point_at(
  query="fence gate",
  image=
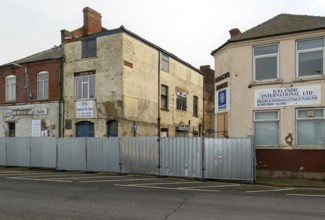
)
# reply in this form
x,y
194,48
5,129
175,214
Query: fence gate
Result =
x,y
230,159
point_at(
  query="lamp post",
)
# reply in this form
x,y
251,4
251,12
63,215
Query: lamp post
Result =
x,y
26,76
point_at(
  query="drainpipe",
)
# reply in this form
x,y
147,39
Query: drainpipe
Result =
x,y
60,99
158,119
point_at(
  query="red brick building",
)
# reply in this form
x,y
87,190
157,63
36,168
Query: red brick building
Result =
x,y
31,94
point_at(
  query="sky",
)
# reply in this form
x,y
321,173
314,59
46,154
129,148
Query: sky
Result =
x,y
190,29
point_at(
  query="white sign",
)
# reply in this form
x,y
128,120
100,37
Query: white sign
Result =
x,y
222,100
7,113
40,111
85,109
303,95
36,128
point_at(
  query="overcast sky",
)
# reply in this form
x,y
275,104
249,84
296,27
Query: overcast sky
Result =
x,y
190,29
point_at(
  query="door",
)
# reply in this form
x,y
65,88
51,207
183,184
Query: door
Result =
x,y
112,128
222,125
85,129
12,129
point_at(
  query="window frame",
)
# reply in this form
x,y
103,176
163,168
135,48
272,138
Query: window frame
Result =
x,y
270,55
165,62
268,120
89,48
310,50
11,88
308,119
181,96
43,81
79,79
165,108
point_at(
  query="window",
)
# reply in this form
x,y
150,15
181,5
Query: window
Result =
x,y
310,127
266,62
42,85
195,105
11,88
164,98
89,48
112,128
181,101
12,129
165,62
85,86
266,128
310,56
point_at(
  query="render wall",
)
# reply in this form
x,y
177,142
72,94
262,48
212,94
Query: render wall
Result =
x,y
237,59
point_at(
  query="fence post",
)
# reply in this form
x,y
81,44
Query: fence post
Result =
x,y
6,147
202,157
252,137
86,160
120,153
56,154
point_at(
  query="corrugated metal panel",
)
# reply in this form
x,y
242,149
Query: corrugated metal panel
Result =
x,y
3,153
181,157
72,154
43,152
103,154
231,159
18,151
140,155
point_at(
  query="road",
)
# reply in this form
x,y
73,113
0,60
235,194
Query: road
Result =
x,y
68,195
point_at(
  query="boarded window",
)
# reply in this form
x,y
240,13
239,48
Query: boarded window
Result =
x,y
89,48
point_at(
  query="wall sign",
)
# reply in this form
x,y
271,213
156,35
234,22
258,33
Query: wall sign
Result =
x,y
36,128
222,100
85,109
302,95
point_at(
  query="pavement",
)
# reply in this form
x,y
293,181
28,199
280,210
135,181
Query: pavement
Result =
x,y
290,182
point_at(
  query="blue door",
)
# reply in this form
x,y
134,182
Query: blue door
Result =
x,y
85,129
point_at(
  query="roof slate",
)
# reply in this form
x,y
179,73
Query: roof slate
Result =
x,y
53,53
280,25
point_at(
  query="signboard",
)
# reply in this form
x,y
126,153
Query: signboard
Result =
x,y
40,111
85,109
222,100
302,95
36,128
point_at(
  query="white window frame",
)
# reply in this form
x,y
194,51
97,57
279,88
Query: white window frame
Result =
x,y
165,96
87,83
41,93
268,120
182,96
255,57
308,119
11,88
308,51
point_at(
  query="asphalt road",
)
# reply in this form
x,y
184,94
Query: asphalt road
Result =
x,y
66,195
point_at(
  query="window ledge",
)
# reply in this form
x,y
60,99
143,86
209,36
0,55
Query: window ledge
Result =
x,y
311,78
262,83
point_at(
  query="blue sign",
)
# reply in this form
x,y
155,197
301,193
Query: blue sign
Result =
x,y
222,100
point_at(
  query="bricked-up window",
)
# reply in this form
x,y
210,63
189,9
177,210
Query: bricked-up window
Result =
x,y
195,105
181,101
11,88
85,84
165,62
42,85
164,97
89,48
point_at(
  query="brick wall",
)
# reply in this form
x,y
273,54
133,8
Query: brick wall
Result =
x,y
51,66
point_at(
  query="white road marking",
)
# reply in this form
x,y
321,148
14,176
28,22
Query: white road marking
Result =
x,y
216,186
169,183
306,195
270,190
119,180
48,180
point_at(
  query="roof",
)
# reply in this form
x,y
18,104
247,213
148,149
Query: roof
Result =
x,y
281,24
53,53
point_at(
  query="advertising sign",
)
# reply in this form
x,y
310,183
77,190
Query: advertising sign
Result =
x,y
222,100
36,128
85,109
302,95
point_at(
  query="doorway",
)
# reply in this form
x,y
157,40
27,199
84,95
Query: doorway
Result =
x,y
85,129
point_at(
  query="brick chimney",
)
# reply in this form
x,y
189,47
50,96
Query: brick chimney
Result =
x,y
92,21
234,32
